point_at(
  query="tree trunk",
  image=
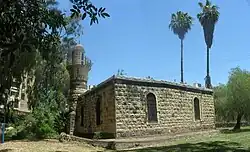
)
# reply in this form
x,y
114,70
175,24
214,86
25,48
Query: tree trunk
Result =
x,y
31,91
238,123
208,79
182,61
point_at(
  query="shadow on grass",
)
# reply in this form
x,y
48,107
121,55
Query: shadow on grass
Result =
x,y
231,131
22,136
6,150
217,146
16,138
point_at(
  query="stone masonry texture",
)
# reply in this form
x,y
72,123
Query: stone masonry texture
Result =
x,y
124,108
107,113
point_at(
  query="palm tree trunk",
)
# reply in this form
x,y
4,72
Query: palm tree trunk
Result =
x,y
208,79
181,61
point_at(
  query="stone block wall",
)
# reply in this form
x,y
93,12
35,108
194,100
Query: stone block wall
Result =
x,y
175,109
87,102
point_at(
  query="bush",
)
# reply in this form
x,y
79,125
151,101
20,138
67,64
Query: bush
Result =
x,y
37,125
47,120
43,124
10,133
61,121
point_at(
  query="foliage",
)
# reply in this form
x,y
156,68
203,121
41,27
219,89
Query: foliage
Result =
x,y
208,17
232,99
238,93
32,29
180,24
222,111
33,36
238,89
73,28
61,121
51,82
42,122
44,115
88,9
36,41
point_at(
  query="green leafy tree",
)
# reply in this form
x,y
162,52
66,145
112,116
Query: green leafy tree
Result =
x,y
238,94
53,75
208,17
32,28
41,123
31,40
180,25
223,112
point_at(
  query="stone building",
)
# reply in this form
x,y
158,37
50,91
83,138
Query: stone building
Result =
x,y
18,96
132,107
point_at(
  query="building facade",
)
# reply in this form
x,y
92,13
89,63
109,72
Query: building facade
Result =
x,y
133,107
128,107
18,96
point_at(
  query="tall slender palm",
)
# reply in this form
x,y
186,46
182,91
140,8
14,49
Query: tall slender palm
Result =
x,y
208,17
180,24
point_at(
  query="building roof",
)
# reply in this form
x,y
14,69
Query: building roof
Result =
x,y
150,82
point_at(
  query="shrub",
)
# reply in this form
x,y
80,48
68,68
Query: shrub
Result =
x,y
61,121
47,120
37,125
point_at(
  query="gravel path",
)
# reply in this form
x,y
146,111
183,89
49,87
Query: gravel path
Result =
x,y
46,146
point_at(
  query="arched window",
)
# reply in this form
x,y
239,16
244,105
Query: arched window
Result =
x,y
82,60
82,115
197,109
152,109
77,71
98,111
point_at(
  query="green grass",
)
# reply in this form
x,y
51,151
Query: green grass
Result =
x,y
226,141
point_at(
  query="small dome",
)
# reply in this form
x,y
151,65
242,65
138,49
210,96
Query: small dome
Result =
x,y
79,47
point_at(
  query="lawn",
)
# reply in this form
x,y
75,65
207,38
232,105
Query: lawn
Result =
x,y
226,141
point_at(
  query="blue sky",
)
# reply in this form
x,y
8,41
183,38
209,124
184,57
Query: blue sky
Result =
x,y
136,38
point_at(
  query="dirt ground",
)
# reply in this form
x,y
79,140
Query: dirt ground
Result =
x,y
225,140
46,146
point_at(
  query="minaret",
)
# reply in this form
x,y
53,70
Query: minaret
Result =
x,y
78,71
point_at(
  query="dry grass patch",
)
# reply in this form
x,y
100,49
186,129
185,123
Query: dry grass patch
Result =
x,y
46,146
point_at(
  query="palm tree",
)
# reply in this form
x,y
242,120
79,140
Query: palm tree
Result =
x,y
180,24
208,17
